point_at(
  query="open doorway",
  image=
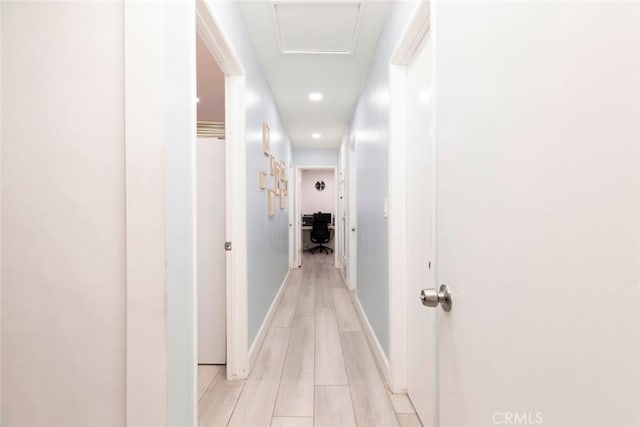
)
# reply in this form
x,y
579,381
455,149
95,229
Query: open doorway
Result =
x,y
317,195
211,217
219,186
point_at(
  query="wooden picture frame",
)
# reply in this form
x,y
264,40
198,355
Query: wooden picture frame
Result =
x,y
276,186
266,136
283,198
263,180
271,203
282,168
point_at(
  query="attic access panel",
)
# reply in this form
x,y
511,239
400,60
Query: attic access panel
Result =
x,y
317,28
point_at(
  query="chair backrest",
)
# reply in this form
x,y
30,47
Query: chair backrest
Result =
x,y
320,228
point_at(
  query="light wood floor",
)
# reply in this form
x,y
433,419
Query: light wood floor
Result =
x,y
315,367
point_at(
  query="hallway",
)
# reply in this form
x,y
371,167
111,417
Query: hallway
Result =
x,y
315,366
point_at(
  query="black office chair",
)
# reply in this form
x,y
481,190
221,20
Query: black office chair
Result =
x,y
320,233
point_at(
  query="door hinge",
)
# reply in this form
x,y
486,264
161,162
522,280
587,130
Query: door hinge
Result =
x,y
227,246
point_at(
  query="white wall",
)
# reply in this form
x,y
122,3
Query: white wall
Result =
x,y
315,156
369,128
267,237
63,214
64,90
312,200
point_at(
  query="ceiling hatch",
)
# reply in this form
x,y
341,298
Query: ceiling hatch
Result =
x,y
322,28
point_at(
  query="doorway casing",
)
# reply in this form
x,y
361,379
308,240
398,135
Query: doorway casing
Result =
x,y
298,214
235,185
401,57
161,291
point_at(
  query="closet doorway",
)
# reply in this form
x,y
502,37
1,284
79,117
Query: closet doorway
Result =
x,y
211,216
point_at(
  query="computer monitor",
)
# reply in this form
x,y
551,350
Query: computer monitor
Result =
x,y
307,219
323,217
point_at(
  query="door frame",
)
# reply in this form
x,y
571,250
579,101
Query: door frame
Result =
x,y
293,256
298,212
209,29
352,209
403,55
342,207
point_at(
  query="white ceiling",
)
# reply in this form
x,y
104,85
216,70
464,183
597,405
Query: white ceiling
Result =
x,y
315,46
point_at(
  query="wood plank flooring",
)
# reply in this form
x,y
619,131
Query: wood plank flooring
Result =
x,y
315,367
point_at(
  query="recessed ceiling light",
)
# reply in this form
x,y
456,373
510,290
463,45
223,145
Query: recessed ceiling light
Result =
x,y
315,96
197,100
315,135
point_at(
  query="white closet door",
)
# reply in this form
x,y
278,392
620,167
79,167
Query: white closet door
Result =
x,y
211,221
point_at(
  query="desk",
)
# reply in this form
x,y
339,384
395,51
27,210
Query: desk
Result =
x,y
306,237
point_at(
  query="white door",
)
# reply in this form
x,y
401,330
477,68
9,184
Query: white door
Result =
x,y
352,243
419,173
211,231
537,212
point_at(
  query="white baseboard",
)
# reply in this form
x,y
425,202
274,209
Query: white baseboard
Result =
x,y
374,344
254,350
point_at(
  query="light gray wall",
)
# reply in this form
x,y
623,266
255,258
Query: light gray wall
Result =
x,y
370,129
63,214
267,238
315,156
180,35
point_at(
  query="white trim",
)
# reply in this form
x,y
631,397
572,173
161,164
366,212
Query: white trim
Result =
x,y
291,191
342,200
402,56
297,218
638,274
0,218
266,323
412,37
1,6
235,153
397,230
298,214
336,220
216,41
222,50
372,339
352,236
